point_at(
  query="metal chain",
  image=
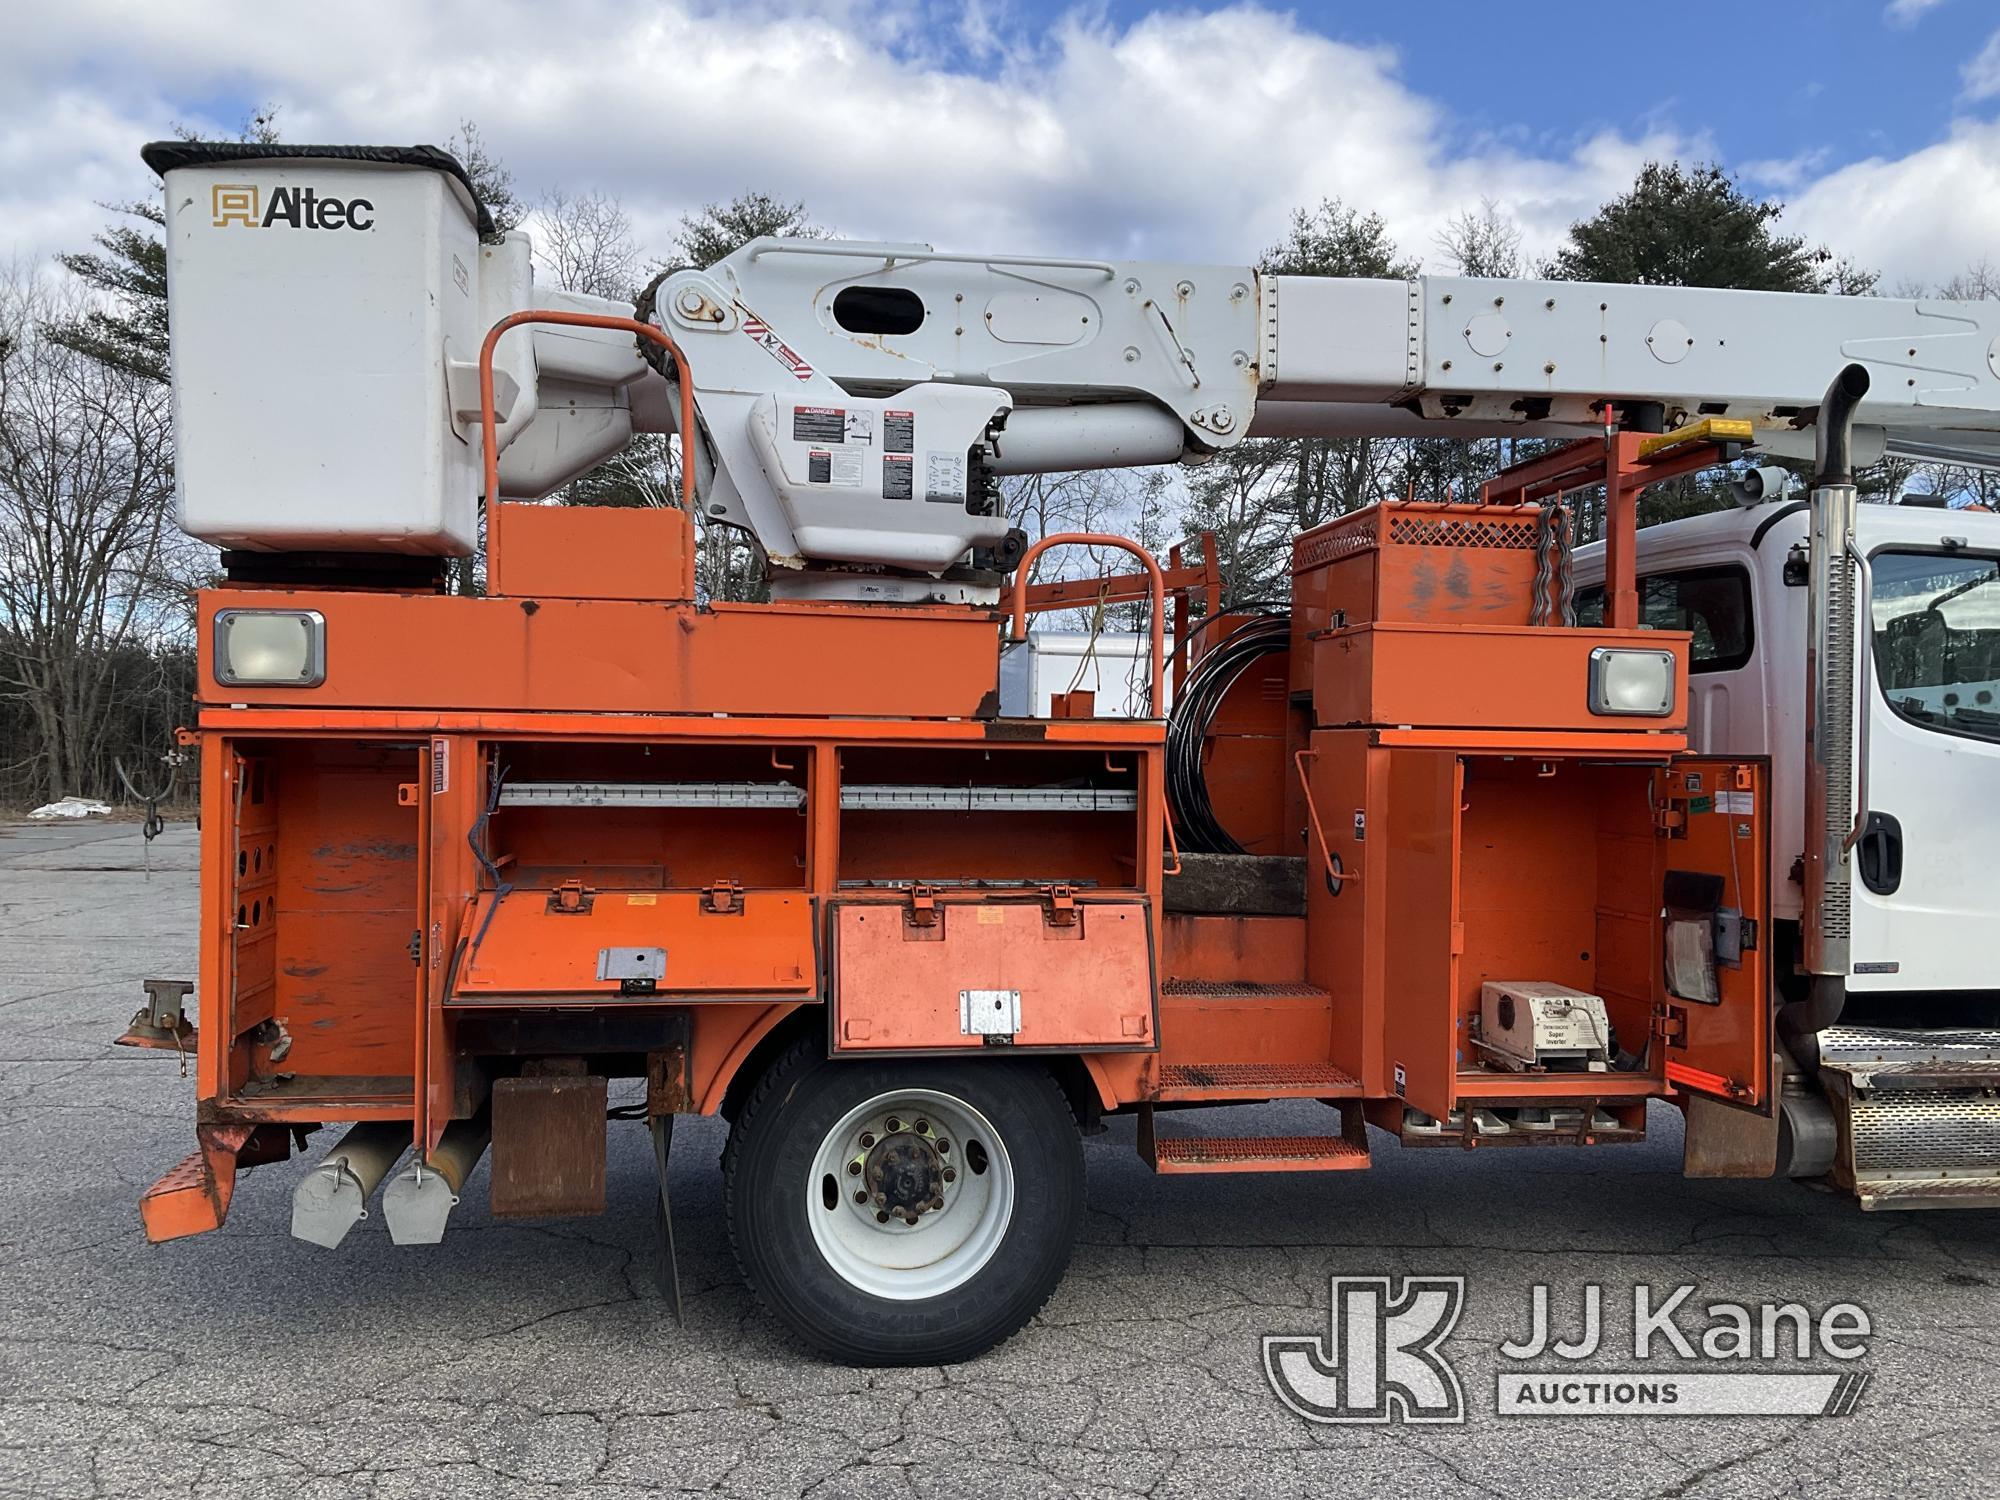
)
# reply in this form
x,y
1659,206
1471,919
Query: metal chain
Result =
x,y
154,825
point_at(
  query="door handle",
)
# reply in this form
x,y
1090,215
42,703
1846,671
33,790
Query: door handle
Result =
x,y
1881,854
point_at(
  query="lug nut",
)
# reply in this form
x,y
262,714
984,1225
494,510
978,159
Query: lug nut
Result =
x,y
937,1203
860,1195
943,1145
867,1139
882,1216
923,1127
894,1124
950,1175
854,1169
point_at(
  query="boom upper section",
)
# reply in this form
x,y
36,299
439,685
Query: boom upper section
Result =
x,y
858,401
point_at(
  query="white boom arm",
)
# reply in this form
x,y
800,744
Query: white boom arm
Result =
x,y
856,401
851,393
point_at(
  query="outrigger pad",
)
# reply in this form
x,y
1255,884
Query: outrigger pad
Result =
x,y
1237,885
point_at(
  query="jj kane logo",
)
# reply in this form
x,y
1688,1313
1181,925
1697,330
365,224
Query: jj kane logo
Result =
x,y
1382,1360
239,203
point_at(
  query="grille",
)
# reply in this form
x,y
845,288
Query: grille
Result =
x,y
1317,551
1509,535
1254,1075
1926,1130
1834,728
1211,989
1393,523
1254,1148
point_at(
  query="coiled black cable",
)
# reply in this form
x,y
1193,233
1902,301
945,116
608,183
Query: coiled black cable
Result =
x,y
1208,682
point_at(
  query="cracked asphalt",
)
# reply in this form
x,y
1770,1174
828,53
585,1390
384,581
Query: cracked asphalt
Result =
x,y
534,1359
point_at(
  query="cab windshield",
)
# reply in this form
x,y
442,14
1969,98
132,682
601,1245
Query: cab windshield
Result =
x,y
1937,639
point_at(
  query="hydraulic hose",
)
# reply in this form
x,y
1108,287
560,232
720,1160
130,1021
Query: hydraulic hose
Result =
x,y
1196,827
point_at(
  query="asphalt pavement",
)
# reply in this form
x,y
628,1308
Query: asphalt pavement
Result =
x,y
535,1359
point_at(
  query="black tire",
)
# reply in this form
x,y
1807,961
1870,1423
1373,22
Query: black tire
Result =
x,y
769,1161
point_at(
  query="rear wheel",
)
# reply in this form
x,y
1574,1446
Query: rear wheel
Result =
x,y
903,1211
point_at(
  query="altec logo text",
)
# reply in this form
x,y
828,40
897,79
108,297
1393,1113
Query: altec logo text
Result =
x,y
296,208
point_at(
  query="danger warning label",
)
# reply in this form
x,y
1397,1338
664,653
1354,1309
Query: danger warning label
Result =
x,y
898,477
819,424
899,432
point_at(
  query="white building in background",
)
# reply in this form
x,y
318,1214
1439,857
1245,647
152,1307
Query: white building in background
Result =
x,y
1114,667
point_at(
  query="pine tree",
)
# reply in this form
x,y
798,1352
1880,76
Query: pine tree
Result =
x,y
129,270
1692,226
720,229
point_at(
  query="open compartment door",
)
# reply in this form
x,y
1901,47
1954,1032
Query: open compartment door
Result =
x,y
1712,982
1419,871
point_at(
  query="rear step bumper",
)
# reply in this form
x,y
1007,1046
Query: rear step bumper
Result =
x,y
1170,1154
1193,1082
1918,1115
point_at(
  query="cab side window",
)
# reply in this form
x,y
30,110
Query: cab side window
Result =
x,y
1713,604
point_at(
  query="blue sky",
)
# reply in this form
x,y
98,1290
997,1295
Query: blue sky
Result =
x,y
1825,82
1027,125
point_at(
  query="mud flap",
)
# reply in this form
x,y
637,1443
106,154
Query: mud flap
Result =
x,y
1726,1141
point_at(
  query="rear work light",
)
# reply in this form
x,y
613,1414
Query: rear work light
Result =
x,y
270,647
1638,683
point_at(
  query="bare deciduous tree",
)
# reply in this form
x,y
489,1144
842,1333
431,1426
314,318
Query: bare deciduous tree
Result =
x,y
91,565
584,240
1482,242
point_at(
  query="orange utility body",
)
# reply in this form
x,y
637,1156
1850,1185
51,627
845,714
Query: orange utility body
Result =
x,y
465,847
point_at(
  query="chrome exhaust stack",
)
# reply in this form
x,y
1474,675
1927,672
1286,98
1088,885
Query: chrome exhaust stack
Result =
x,y
1837,583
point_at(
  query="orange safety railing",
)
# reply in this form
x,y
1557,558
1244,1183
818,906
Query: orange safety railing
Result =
x,y
1157,594
489,428
1337,874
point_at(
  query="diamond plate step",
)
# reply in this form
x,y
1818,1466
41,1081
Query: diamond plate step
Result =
x,y
1878,1058
1196,1081
1917,1114
1844,1046
1257,1153
1216,989
1942,1192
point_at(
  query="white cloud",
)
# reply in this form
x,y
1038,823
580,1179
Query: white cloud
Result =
x,y
1908,12
1981,76
1785,174
1923,217
1181,135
